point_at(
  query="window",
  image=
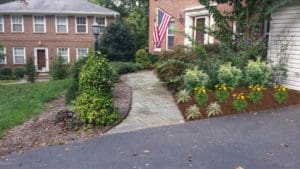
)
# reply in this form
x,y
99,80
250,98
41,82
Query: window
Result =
x,y
3,52
17,24
1,24
39,24
81,24
19,55
64,52
171,35
101,21
82,52
61,24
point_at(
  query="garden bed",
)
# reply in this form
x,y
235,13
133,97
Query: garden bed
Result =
x,y
268,102
44,130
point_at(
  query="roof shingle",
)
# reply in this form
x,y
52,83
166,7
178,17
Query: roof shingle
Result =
x,y
56,7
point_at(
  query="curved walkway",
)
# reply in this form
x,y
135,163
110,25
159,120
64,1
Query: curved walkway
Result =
x,y
152,104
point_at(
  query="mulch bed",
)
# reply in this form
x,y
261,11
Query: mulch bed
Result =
x,y
44,130
267,103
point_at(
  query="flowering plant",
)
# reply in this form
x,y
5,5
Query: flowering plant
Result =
x,y
239,102
222,92
201,96
280,94
256,93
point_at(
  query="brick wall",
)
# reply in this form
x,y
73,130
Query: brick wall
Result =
x,y
50,39
175,8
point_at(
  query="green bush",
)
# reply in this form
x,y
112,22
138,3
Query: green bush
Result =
x,y
142,58
118,42
210,66
153,58
94,103
95,109
124,67
212,49
194,78
72,92
98,75
19,72
170,70
59,69
229,75
6,73
30,70
181,53
257,73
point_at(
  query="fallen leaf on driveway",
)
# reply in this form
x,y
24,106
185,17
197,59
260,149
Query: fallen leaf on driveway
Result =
x,y
239,167
147,151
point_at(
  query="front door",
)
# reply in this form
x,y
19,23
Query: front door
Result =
x,y
200,30
41,59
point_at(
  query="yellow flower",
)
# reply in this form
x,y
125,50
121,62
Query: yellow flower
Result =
x,y
243,97
224,88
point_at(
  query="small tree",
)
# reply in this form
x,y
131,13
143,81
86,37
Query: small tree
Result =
x,y
30,70
118,42
59,69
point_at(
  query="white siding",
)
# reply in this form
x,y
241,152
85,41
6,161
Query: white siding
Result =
x,y
286,22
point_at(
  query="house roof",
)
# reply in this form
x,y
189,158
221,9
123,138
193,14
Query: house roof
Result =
x,y
56,7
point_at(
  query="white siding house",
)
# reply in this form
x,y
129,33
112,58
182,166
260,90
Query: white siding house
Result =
x,y
285,25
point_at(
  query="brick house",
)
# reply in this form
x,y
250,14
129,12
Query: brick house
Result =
x,y
186,16
45,29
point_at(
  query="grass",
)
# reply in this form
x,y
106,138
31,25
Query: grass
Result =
x,y
22,102
7,81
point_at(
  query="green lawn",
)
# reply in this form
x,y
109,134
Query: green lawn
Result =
x,y
7,81
21,102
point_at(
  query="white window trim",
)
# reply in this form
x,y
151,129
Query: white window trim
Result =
x,y
57,51
105,20
77,56
14,60
67,24
2,24
12,27
86,25
5,58
33,22
167,35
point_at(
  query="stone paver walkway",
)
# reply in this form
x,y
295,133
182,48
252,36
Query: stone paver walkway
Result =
x,y
152,104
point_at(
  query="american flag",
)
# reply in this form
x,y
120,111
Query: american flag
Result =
x,y
161,27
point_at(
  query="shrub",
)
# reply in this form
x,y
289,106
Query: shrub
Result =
x,y
124,67
170,69
194,78
97,74
72,92
94,103
280,94
183,96
257,73
95,109
212,49
229,75
59,69
118,42
6,73
222,92
201,96
210,66
239,102
179,53
19,72
142,58
153,58
214,109
30,70
256,93
193,112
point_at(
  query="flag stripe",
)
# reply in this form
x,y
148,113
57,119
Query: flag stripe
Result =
x,y
160,30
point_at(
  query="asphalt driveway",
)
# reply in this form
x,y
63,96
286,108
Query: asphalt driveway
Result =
x,y
269,140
